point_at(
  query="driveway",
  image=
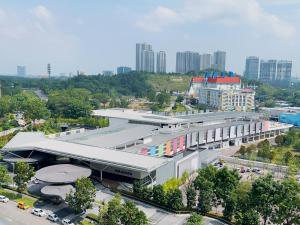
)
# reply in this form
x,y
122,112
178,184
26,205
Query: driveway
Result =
x,y
157,216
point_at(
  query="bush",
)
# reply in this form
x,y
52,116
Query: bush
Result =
x,y
92,216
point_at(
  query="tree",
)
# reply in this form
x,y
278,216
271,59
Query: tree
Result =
x,y
264,195
116,213
288,155
24,172
179,98
111,213
242,150
175,199
137,187
159,195
195,219
241,193
225,182
102,97
263,144
230,207
279,140
251,148
286,211
151,95
83,197
206,194
250,217
4,176
146,193
131,215
35,109
70,103
191,196
163,98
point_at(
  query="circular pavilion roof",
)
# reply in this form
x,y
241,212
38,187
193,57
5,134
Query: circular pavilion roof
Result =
x,y
57,190
62,173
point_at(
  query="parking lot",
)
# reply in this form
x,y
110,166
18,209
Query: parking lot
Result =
x,y
250,172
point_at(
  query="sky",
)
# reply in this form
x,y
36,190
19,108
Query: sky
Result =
x,y
97,35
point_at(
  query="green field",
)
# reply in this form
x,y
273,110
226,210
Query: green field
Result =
x,y
169,82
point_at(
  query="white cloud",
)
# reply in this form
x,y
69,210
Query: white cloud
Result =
x,y
42,13
158,18
226,12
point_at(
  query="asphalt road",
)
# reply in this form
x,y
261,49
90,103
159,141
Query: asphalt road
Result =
x,y
11,215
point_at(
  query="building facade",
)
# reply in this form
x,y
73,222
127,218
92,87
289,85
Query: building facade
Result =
x,y
187,62
161,62
123,70
222,93
284,70
268,70
219,60
205,61
252,68
21,71
144,58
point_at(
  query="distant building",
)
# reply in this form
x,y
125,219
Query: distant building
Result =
x,y
123,70
49,70
268,70
21,71
222,93
252,68
107,73
161,66
219,60
205,61
187,62
284,70
144,57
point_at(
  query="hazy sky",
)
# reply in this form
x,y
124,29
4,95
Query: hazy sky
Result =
x,y
96,35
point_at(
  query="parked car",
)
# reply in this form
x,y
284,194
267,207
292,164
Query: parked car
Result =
x,y
38,212
67,222
23,205
52,217
3,199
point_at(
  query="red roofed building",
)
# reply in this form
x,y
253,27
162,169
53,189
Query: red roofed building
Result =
x,y
222,93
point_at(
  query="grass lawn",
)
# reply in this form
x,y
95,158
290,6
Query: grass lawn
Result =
x,y
85,222
17,197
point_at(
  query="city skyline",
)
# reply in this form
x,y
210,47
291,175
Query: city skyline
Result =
x,y
34,33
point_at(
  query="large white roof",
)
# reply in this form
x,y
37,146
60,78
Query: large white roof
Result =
x,y
139,116
37,141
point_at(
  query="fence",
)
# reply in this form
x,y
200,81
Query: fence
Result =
x,y
260,165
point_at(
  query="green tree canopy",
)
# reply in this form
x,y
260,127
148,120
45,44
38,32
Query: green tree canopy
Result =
x,y
195,219
24,172
83,197
4,176
264,196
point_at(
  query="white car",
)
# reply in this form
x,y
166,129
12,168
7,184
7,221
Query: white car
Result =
x,y
3,199
67,222
52,217
38,212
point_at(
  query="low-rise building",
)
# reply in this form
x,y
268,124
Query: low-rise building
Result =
x,y
143,146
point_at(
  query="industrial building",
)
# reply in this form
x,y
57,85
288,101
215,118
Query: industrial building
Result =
x,y
142,146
